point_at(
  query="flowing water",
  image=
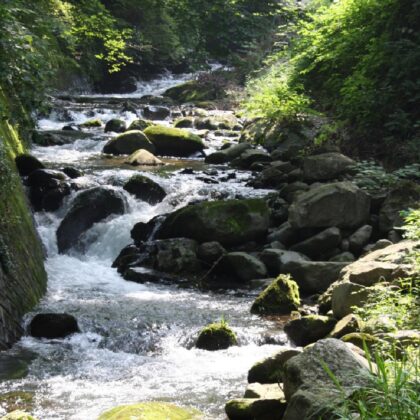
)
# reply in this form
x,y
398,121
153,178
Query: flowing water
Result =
x,y
136,341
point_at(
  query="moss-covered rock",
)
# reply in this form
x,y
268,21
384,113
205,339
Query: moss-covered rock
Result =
x,y
17,400
255,409
128,142
18,415
241,267
116,125
93,123
150,411
186,122
216,336
143,158
279,298
229,222
194,91
145,189
308,329
140,124
174,141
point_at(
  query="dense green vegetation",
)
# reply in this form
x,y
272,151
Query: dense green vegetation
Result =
x,y
357,62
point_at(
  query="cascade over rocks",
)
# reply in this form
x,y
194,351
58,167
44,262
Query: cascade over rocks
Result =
x,y
229,222
89,207
339,204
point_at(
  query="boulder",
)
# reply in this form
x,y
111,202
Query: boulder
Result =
x,y
228,154
270,369
326,166
194,91
229,222
265,391
340,204
403,197
249,157
319,244
156,112
142,231
216,336
52,325
58,137
255,409
280,298
360,238
143,158
275,259
92,123
145,189
128,142
115,125
346,257
313,276
240,267
309,388
367,273
139,125
174,141
349,324
345,296
185,122
89,207
72,172
26,164
150,410
308,329
210,252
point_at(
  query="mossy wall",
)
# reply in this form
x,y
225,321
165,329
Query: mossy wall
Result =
x,y
22,275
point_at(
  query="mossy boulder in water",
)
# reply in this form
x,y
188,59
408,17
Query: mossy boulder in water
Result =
x,y
151,411
143,158
18,415
279,298
128,142
309,329
17,400
174,141
116,125
241,267
140,124
194,91
53,325
216,336
93,123
228,222
145,189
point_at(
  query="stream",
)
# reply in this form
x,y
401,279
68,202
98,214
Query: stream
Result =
x,y
136,341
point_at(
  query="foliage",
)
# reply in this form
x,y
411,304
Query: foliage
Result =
x,y
393,393
359,60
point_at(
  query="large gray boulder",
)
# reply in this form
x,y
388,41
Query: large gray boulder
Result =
x,y
326,166
143,158
339,204
145,189
89,207
308,329
314,276
276,259
309,389
228,222
240,266
226,155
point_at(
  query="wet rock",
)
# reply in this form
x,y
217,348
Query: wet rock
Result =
x,y
308,329
143,158
217,336
313,276
18,415
319,244
276,259
93,123
53,325
255,409
26,164
129,142
12,367
229,222
338,204
326,166
265,391
227,154
360,238
156,112
145,189
249,157
185,122
115,125
210,252
280,298
89,207
143,275
270,369
73,172
53,199
403,197
17,400
174,141
142,231
309,388
241,267
58,137
139,125
150,410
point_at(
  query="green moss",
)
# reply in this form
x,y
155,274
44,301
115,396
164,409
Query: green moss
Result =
x,y
178,133
140,124
194,91
279,298
96,122
150,411
18,415
216,336
185,122
17,400
360,339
